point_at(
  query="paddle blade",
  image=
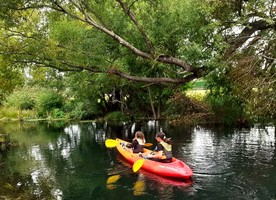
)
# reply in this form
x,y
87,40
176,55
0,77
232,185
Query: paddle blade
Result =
x,y
148,144
137,165
113,179
110,183
109,143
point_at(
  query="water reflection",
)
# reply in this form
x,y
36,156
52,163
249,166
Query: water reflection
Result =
x,y
214,153
110,182
70,161
145,181
139,186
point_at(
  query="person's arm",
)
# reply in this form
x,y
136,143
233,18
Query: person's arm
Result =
x,y
158,154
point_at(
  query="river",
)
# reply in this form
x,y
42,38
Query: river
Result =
x,y
70,161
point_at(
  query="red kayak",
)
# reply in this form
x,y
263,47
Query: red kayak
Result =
x,y
175,169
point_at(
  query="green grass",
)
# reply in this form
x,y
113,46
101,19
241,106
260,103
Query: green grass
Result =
x,y
12,113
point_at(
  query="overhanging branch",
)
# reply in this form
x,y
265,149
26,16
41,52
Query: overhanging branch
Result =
x,y
153,80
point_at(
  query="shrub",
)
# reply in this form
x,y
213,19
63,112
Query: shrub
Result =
x,y
48,101
185,110
228,109
57,113
10,112
21,98
116,117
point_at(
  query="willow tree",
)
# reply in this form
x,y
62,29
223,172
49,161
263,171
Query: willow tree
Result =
x,y
182,40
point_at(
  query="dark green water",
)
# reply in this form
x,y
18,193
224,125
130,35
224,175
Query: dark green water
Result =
x,y
70,161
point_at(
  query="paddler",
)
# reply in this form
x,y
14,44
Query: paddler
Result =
x,y
138,142
163,150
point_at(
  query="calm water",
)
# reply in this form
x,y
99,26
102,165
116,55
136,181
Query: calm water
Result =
x,y
70,161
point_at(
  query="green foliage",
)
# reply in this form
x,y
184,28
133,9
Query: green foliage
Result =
x,y
21,98
36,99
8,113
47,102
197,32
10,78
87,98
57,113
46,78
76,110
183,109
116,117
198,84
82,110
228,108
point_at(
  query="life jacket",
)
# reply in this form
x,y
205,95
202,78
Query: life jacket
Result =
x,y
139,147
167,150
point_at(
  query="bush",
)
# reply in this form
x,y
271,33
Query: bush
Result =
x,y
228,109
82,110
48,101
21,98
116,117
185,110
57,113
10,112
28,102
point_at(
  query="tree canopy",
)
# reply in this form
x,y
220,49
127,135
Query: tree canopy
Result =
x,y
148,41
184,39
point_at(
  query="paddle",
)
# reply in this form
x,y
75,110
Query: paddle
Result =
x,y
110,143
138,164
113,179
148,144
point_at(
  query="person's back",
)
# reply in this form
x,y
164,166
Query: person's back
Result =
x,y
138,142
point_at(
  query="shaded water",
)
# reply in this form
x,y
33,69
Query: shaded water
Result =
x,y
70,161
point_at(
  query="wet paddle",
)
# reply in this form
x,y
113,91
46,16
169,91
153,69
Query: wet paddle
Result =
x,y
148,144
137,165
113,179
110,143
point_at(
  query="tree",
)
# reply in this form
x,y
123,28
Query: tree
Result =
x,y
10,78
247,80
182,40
162,33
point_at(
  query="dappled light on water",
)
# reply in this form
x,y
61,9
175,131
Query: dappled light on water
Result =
x,y
71,162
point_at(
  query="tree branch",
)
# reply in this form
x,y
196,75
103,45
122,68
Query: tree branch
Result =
x,y
140,28
162,58
245,35
153,80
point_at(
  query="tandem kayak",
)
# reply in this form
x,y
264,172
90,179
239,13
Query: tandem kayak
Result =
x,y
175,169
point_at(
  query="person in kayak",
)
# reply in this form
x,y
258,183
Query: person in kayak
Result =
x,y
138,142
163,149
